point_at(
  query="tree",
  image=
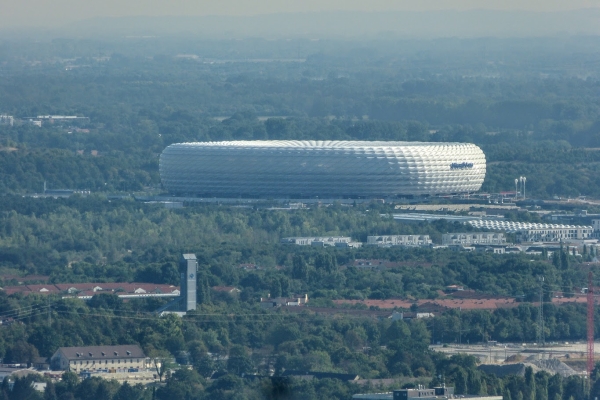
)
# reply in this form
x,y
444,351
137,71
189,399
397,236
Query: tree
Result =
x,y
299,268
474,383
50,391
325,262
541,385
128,392
203,291
161,365
23,389
460,382
22,352
68,382
529,393
555,387
205,366
564,260
239,361
275,289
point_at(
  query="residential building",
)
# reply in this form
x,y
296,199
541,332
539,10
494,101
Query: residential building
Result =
x,y
471,238
95,358
439,393
34,122
41,363
563,233
596,228
86,291
226,289
375,264
399,240
317,240
320,375
490,248
399,316
352,245
7,119
293,301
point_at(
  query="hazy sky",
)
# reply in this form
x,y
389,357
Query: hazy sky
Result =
x,y
14,13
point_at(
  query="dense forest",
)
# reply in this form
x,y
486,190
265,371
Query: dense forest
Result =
x,y
83,239
142,98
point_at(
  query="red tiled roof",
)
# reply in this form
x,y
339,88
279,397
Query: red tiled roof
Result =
x,y
25,278
88,288
466,304
50,288
15,289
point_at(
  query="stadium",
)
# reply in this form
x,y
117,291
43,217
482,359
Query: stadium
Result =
x,y
324,169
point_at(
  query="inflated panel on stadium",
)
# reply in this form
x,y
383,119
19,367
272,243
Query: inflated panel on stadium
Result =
x,y
300,169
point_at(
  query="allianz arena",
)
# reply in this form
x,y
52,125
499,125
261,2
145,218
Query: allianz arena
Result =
x,y
325,169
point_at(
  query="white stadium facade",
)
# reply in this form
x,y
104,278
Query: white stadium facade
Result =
x,y
324,169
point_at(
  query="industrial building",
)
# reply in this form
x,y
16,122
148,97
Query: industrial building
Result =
x,y
471,238
332,169
399,240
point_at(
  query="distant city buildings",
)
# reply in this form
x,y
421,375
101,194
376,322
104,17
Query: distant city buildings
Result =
x,y
86,291
470,238
399,240
525,232
44,119
420,392
7,120
557,234
322,241
297,300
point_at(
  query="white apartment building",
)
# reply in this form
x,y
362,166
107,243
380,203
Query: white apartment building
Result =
x,y
317,240
563,233
7,120
596,228
470,238
399,240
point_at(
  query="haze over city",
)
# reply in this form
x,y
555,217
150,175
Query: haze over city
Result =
x,y
273,18
281,200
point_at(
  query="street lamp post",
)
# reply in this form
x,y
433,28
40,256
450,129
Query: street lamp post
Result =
x,y
523,180
520,184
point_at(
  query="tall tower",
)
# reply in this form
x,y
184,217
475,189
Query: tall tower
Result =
x,y
188,268
590,325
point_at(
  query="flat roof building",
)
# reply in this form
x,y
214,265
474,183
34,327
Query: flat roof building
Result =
x,y
562,234
399,240
471,238
321,241
437,393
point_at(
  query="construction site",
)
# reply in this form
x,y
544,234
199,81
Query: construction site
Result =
x,y
564,358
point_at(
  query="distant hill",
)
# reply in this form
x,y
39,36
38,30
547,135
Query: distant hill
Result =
x,y
431,24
